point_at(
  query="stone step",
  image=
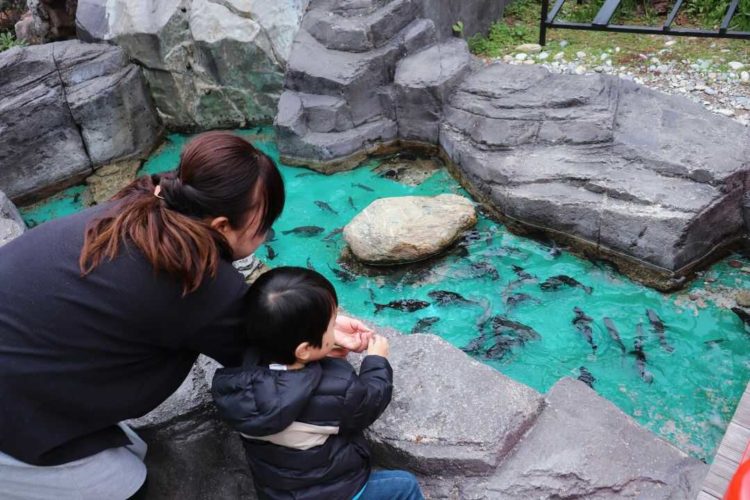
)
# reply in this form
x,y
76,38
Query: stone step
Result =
x,y
360,33
303,113
334,146
423,82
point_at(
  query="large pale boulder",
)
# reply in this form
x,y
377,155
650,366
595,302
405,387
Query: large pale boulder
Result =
x,y
408,228
67,108
11,223
209,63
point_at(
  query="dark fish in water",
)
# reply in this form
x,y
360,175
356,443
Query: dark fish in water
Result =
x,y
362,186
502,344
371,292
517,298
306,231
342,274
522,274
555,282
658,326
424,324
305,174
742,314
325,207
475,345
444,298
351,203
586,377
77,198
270,253
270,235
612,330
333,233
310,264
485,269
582,323
522,332
640,356
404,305
471,236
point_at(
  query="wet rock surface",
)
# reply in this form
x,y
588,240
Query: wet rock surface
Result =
x,y
11,223
409,228
209,63
68,108
629,170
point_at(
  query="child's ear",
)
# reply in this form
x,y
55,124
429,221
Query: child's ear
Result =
x,y
302,352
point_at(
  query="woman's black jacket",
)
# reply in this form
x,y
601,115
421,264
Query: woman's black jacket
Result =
x,y
258,401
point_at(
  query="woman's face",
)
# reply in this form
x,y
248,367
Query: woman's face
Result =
x,y
243,240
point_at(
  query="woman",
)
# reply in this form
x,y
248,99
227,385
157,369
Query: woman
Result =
x,y
103,313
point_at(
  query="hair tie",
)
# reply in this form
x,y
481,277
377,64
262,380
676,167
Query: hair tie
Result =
x,y
157,192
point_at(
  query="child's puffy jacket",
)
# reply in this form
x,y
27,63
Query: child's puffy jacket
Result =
x,y
317,413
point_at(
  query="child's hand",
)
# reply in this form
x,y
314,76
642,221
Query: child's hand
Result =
x,y
378,346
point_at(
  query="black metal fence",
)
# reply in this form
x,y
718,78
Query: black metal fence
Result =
x,y
602,23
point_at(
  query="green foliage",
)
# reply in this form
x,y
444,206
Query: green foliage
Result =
x,y
711,13
8,41
458,28
502,36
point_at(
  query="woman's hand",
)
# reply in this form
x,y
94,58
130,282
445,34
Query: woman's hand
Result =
x,y
350,335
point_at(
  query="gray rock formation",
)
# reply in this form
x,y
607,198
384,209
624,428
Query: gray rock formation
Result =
x,y
68,108
445,417
209,63
632,174
11,223
423,83
582,446
408,228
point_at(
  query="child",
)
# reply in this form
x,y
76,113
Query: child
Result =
x,y
301,413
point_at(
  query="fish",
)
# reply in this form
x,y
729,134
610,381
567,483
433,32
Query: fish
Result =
x,y
362,186
424,324
270,253
517,298
333,233
582,323
500,347
305,174
475,345
342,274
522,274
310,264
612,330
351,203
658,327
403,305
76,197
523,332
555,282
742,314
444,298
306,231
640,356
485,269
371,292
325,207
586,377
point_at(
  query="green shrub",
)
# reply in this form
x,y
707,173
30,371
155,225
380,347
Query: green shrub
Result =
x,y
711,13
7,41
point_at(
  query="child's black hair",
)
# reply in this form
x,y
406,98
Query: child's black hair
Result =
x,y
285,307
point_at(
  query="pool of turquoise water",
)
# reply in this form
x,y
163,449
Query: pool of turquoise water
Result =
x,y
694,389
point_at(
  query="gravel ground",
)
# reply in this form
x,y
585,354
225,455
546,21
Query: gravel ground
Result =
x,y
721,85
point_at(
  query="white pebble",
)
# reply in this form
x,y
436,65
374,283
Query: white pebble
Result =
x,y
745,76
736,65
580,70
507,58
580,54
725,112
617,49
603,57
563,44
521,56
543,56
559,56
669,43
529,48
